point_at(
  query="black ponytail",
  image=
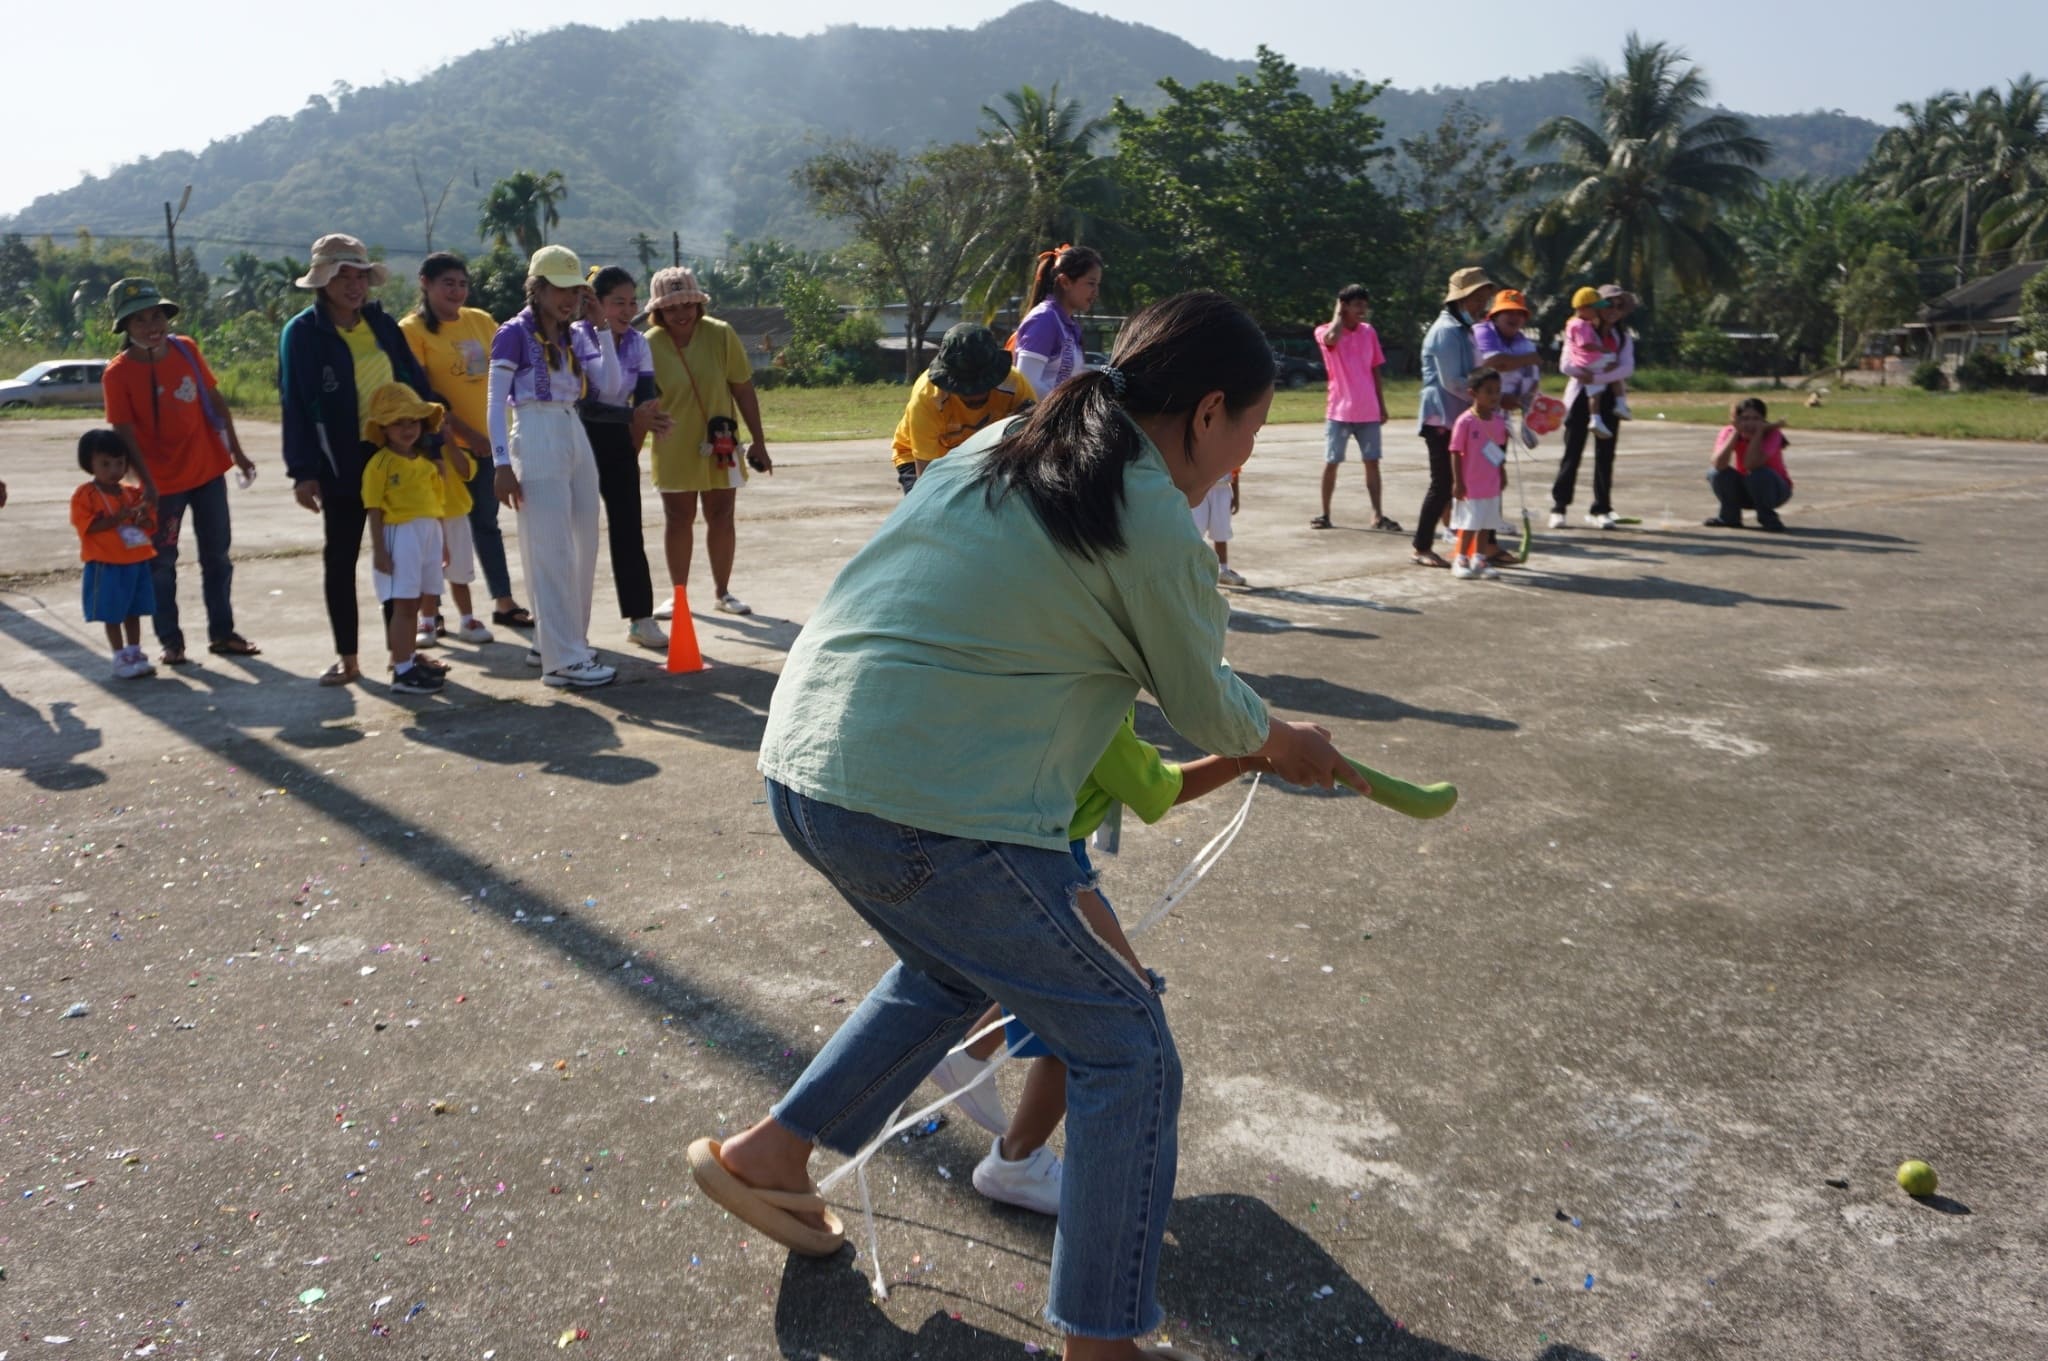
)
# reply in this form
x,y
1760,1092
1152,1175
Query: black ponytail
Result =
x,y
1068,459
433,267
1068,262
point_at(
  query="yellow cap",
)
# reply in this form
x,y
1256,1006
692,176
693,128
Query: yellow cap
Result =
x,y
558,265
1585,297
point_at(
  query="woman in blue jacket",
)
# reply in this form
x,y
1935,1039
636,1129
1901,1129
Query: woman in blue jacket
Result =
x,y
332,358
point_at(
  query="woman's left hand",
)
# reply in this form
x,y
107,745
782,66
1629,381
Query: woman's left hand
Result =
x,y
757,458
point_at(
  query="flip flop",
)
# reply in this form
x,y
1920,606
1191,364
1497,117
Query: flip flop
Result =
x,y
518,617
1392,526
234,645
335,675
174,656
1428,559
1319,522
769,1211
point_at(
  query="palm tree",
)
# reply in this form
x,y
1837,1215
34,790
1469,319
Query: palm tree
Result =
x,y
647,250
1065,186
2005,139
521,208
245,280
1638,191
761,266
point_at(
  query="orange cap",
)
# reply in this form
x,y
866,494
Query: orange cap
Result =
x,y
1508,300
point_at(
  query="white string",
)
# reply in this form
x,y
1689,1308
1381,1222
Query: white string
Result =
x,y
1176,892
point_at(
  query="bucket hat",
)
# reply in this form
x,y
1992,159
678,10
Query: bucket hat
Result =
x,y
557,265
970,361
1508,300
129,296
338,251
398,402
674,286
1465,283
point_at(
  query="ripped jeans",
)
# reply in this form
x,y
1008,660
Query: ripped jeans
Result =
x,y
975,920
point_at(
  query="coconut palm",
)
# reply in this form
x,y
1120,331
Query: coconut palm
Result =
x,y
646,250
1065,187
1639,190
521,208
2007,139
245,281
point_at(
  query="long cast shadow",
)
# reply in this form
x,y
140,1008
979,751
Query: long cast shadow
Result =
x,y
47,752
1664,588
1314,695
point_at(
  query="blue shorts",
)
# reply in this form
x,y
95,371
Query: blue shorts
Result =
x,y
1367,433
116,592
1016,1035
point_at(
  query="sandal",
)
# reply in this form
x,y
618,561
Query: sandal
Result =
x,y
1503,559
1390,525
769,1211
518,617
234,645
174,656
338,674
1320,522
1428,559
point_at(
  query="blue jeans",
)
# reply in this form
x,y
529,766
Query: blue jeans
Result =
x,y
974,920
208,506
1759,489
484,533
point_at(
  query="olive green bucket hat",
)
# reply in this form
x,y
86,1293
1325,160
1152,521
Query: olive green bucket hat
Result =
x,y
970,361
129,296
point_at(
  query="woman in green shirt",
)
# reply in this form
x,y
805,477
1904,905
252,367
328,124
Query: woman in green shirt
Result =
x,y
953,690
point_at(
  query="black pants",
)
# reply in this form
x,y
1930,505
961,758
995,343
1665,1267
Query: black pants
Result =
x,y
1577,425
484,534
1438,438
207,506
1759,489
342,516
618,486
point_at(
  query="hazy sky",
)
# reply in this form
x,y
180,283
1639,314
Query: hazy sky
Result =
x,y
82,97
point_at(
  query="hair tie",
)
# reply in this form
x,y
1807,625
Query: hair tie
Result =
x,y
1113,376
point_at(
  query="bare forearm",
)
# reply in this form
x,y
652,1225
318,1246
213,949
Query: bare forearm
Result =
x,y
749,403
1207,774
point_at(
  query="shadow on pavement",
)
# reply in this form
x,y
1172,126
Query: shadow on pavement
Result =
x,y
1314,695
1242,621
47,752
1294,597
1236,1280
1663,588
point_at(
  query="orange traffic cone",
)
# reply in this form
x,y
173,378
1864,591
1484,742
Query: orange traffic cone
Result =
x,y
683,653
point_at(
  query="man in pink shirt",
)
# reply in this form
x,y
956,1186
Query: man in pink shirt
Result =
x,y
1357,407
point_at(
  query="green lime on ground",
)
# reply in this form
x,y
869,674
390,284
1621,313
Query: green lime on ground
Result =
x,y
1916,1178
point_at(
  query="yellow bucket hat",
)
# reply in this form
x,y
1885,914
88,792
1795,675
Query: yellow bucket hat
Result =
x,y
398,402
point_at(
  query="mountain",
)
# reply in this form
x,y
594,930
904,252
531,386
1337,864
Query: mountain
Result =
x,y
689,126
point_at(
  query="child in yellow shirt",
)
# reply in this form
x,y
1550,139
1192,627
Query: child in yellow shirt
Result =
x,y
402,491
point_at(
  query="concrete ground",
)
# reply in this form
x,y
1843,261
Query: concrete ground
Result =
x,y
395,1017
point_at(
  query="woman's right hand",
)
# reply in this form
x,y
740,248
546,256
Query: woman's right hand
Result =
x,y
505,484
1302,754
306,491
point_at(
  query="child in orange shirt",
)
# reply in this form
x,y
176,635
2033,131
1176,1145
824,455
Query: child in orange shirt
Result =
x,y
114,527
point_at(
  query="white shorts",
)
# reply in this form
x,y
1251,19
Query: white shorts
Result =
x,y
415,549
1212,513
461,568
1477,512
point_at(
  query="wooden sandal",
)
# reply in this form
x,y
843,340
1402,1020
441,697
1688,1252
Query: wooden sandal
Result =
x,y
772,1212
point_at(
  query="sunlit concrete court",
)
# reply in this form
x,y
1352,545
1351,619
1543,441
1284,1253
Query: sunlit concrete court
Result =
x,y
345,1026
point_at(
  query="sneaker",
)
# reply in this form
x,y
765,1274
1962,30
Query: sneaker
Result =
x,y
1530,439
415,680
583,675
1621,411
1482,568
1031,1183
428,636
1557,519
1605,520
1601,429
1444,535
648,634
732,604
533,656
1463,569
1229,577
667,608
983,1105
474,631
129,665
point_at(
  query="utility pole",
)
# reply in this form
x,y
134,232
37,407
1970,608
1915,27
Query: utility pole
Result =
x,y
171,231
676,245
1963,236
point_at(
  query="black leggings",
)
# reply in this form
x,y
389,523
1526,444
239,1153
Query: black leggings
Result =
x,y
618,486
342,515
1438,438
1577,425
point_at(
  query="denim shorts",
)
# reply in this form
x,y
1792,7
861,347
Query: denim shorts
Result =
x,y
971,921
1367,433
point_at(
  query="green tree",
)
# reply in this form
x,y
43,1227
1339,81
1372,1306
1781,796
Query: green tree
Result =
x,y
1452,185
497,282
1066,187
1880,293
2009,135
1638,191
813,324
521,209
646,250
928,220
2032,337
1256,189
1801,239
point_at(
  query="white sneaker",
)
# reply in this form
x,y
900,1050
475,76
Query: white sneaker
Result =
x,y
533,656
130,665
426,637
1031,1183
732,604
474,631
1607,520
1557,519
583,675
648,634
1229,577
667,608
983,1105
1482,568
1621,411
1462,569
1601,430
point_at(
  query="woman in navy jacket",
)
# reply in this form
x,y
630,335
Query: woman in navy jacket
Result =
x,y
332,358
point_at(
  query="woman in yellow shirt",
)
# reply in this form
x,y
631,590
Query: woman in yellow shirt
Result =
x,y
452,343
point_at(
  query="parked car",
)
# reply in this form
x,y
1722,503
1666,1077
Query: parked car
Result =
x,y
1297,363
57,382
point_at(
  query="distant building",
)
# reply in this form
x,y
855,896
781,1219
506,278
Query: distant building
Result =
x,y
763,330
1982,314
